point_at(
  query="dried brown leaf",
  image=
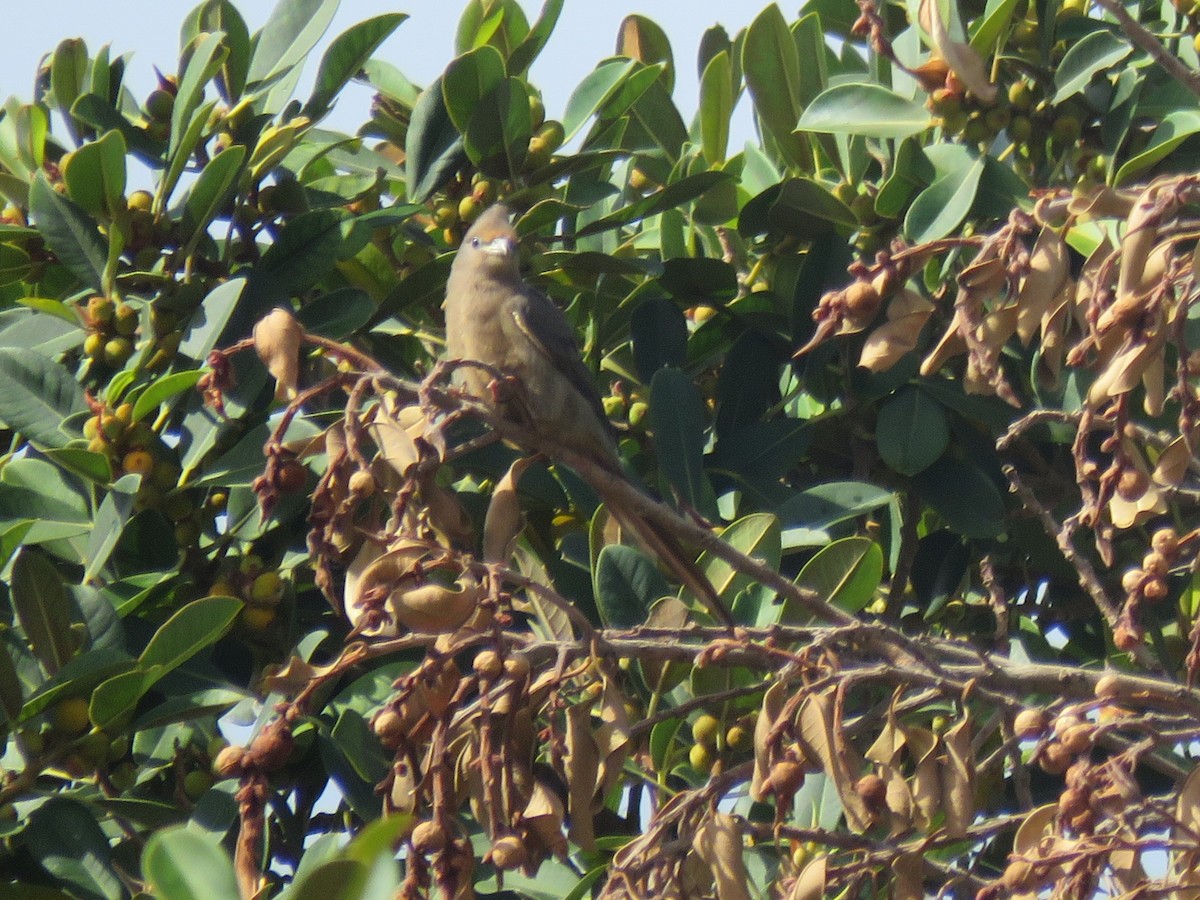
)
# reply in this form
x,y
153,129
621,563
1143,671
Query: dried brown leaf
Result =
x,y
1173,463
277,339
1037,825
1048,272
961,57
958,779
504,520
718,841
909,883
1125,370
772,706
822,740
396,445
810,885
951,344
581,765
907,314
926,782
544,815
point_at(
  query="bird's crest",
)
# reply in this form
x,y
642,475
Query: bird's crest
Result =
x,y
494,223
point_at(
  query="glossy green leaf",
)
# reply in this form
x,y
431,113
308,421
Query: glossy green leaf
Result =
x,y
116,697
68,76
345,57
627,583
64,837
185,864
37,395
468,80
111,517
865,109
211,192
808,515
524,54
643,39
942,206
187,632
659,332
304,252
756,535
497,139
69,232
678,417
846,574
1172,131
338,314
992,25
223,16
716,107
912,431
771,67
590,96
208,54
963,495
434,147
95,175
177,161
290,33
163,390
44,609
1095,53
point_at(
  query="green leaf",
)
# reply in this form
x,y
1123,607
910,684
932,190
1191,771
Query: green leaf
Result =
x,y
69,232
870,110
346,56
44,609
222,15
771,66
292,30
808,515
991,26
304,252
208,54
187,632
468,80
912,431
756,535
678,418
716,107
162,390
68,76
211,192
659,332
1172,131
117,696
36,394
534,42
65,839
497,140
963,495
673,195
643,39
1096,52
111,517
597,87
846,573
433,146
627,582
178,160
338,314
332,878
95,175
942,206
185,864
205,330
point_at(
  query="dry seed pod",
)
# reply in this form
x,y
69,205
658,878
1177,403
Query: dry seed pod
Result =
x,y
433,608
1030,723
508,853
488,665
873,791
1078,739
229,761
277,338
1055,759
428,837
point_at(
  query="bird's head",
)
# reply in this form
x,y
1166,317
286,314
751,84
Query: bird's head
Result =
x,y
491,242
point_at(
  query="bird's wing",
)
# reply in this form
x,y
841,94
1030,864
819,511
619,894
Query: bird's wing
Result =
x,y
550,333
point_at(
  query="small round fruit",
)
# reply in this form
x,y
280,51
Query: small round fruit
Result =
x,y
100,309
141,201
187,533
125,319
705,730
469,209
160,104
613,406
70,716
1132,484
91,428
737,738
196,784
138,462
637,414
508,853
1030,723
267,588
228,763
117,351
93,345
428,837
257,618
488,664
700,758
1066,130
292,477
1166,542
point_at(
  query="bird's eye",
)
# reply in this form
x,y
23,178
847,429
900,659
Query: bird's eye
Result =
x,y
476,242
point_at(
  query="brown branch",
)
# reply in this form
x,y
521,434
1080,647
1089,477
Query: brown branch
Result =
x,y
1144,40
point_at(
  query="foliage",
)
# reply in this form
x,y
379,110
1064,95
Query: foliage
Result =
x,y
915,369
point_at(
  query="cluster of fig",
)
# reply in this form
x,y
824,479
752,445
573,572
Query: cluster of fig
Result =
x,y
260,587
1147,584
67,739
159,105
715,747
111,331
463,202
1065,738
967,116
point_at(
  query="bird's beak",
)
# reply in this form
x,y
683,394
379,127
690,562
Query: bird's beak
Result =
x,y
501,246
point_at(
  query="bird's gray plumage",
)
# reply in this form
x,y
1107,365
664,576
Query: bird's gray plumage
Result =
x,y
494,317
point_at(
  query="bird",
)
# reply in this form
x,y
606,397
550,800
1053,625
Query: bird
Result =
x,y
494,317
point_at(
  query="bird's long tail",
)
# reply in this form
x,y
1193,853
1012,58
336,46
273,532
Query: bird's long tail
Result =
x,y
670,552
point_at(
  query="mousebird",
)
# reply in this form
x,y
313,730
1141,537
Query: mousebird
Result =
x,y
494,317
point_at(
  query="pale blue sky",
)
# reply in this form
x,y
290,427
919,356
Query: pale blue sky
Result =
x,y
420,47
